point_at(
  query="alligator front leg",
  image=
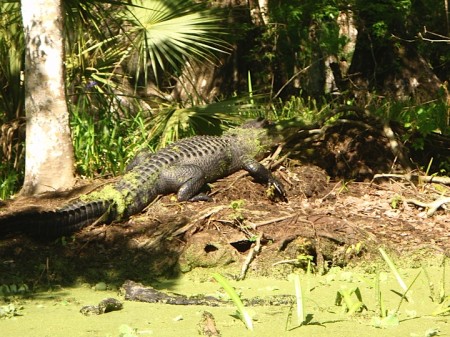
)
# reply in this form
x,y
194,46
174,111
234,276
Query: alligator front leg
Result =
x,y
187,180
263,175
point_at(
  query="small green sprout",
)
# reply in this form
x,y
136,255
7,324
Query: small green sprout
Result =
x,y
351,305
396,201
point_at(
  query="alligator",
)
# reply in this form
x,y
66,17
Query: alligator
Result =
x,y
184,167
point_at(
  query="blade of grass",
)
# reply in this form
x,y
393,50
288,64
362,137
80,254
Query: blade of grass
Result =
x,y
299,298
443,308
379,295
243,313
393,269
406,292
442,290
250,87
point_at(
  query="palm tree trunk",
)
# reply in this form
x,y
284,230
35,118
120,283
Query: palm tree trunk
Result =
x,y
49,159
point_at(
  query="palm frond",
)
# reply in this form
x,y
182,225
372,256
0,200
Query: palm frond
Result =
x,y
172,32
172,123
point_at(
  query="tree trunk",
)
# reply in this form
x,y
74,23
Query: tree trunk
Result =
x,y
49,159
395,70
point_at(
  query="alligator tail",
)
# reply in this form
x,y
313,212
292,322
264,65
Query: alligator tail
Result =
x,y
63,221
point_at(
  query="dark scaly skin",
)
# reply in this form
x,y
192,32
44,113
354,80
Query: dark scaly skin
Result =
x,y
184,167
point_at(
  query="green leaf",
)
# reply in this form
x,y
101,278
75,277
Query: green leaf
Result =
x,y
243,313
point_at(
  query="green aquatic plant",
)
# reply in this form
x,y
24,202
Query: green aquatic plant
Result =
x,y
241,310
299,300
346,298
127,331
390,317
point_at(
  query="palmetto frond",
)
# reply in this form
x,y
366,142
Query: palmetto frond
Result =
x,y
172,32
172,123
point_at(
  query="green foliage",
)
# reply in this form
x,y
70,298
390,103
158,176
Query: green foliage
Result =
x,y
104,142
171,33
136,42
114,50
11,60
13,289
299,35
423,118
383,16
393,268
106,139
241,310
305,109
237,206
10,180
301,317
391,317
174,122
419,121
11,156
396,201
351,304
109,119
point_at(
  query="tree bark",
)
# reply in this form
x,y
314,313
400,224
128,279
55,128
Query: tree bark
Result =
x,y
49,159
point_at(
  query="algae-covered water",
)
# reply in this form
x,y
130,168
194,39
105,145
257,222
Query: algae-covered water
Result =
x,y
56,313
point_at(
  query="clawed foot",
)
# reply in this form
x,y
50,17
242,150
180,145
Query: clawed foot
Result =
x,y
276,190
201,197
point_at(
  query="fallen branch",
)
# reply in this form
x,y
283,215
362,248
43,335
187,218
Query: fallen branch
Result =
x,y
134,291
202,216
418,178
250,257
431,206
271,221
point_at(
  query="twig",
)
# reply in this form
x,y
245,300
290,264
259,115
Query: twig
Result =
x,y
426,179
250,257
271,221
431,206
290,261
293,78
209,212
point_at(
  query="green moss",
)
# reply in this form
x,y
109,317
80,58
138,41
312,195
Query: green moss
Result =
x,y
124,197
108,193
254,141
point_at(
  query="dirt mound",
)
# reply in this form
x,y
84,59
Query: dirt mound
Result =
x,y
331,223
